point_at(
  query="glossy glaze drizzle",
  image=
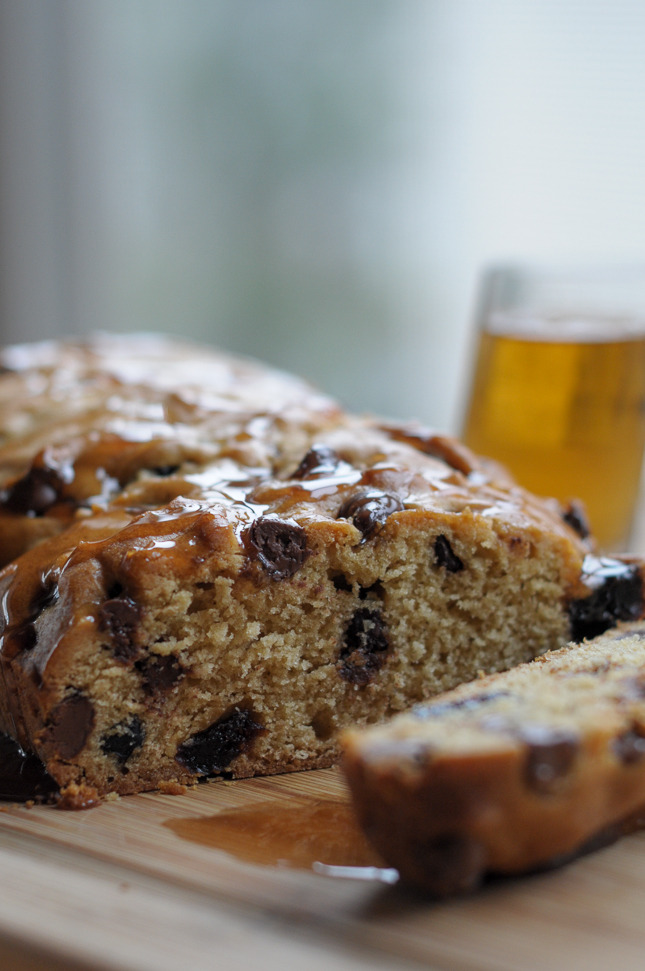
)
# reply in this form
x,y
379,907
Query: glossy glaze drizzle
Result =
x,y
320,835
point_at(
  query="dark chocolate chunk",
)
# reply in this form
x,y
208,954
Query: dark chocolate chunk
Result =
x,y
441,708
35,493
549,756
364,647
318,461
160,674
617,594
368,510
22,775
212,750
449,864
120,617
123,739
165,470
550,752
445,556
373,592
69,725
280,545
629,747
341,582
575,516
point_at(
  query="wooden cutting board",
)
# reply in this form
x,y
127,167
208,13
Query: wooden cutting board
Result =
x,y
143,882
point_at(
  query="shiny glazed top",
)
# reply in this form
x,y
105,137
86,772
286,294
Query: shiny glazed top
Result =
x,y
101,421
158,447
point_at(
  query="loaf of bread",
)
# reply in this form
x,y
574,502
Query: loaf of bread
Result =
x,y
210,568
512,773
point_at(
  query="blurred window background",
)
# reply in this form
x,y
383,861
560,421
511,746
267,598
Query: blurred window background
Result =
x,y
314,182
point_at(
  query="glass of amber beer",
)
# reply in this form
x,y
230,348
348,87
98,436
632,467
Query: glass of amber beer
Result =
x,y
558,388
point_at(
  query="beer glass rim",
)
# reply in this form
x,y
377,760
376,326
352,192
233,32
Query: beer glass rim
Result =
x,y
602,289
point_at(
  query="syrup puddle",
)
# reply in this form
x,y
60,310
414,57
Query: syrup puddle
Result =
x,y
321,836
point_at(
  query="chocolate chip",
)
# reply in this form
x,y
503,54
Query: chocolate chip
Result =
x,y
441,708
364,647
575,516
22,775
549,756
618,595
123,739
280,545
69,725
550,752
341,583
160,674
450,864
369,510
165,470
212,750
35,493
373,592
444,555
629,747
120,618
319,460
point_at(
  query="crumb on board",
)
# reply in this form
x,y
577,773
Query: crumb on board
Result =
x,y
172,788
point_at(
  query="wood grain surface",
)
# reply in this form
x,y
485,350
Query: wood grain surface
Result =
x,y
118,887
